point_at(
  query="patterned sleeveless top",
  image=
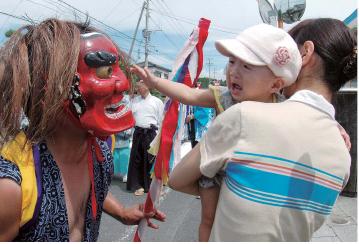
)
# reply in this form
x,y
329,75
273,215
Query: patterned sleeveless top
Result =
x,y
224,98
51,224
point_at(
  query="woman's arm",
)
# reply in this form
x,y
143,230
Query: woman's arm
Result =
x,y
10,209
175,90
185,175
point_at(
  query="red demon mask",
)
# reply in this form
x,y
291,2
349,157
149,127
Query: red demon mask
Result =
x,y
97,92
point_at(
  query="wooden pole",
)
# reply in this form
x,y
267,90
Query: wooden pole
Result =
x,y
280,23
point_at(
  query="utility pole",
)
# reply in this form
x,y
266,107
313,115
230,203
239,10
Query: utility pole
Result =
x,y
209,69
134,36
146,32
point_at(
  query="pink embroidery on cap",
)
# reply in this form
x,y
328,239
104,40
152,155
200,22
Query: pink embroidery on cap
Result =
x,y
281,56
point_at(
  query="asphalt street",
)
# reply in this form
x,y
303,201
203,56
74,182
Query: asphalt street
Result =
x,y
182,210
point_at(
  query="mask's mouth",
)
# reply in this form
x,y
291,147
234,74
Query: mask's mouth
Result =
x,y
116,110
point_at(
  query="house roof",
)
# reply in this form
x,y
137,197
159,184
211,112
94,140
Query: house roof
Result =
x,y
153,65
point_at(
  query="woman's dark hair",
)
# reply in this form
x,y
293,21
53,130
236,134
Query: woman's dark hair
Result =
x,y
335,43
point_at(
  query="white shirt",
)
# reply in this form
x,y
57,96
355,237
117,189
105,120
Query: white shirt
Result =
x,y
315,100
147,111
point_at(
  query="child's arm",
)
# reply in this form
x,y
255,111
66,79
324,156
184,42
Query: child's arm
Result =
x,y
176,91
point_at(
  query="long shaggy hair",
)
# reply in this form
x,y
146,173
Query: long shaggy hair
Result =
x,y
37,67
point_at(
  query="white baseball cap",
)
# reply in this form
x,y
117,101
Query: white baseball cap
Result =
x,y
265,45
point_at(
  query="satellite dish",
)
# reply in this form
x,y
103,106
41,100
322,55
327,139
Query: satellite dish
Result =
x,y
267,13
289,11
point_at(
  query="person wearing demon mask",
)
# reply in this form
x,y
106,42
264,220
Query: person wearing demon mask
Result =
x,y
55,173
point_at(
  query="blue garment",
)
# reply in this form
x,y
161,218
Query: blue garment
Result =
x,y
202,118
121,158
52,222
121,154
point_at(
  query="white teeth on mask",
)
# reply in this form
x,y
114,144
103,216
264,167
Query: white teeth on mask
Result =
x,y
119,114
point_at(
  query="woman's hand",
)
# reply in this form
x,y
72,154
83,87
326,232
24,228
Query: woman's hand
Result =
x,y
345,136
134,214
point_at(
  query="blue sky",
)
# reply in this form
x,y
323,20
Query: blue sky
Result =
x,y
170,20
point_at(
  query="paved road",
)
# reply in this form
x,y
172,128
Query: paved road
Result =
x,y
183,215
182,210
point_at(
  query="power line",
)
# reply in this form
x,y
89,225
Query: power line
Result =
x,y
192,22
59,8
124,36
13,11
42,5
74,10
137,25
174,24
16,17
130,14
209,68
113,9
171,12
165,35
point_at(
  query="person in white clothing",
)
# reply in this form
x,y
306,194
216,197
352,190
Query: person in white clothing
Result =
x,y
284,163
148,112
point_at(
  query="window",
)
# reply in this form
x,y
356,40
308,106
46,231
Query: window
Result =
x,y
157,73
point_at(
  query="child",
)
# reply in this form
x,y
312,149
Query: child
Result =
x,y
262,60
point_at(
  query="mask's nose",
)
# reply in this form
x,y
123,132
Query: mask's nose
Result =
x,y
121,86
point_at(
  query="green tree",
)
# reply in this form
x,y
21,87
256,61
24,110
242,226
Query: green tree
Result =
x,y
223,83
9,33
204,82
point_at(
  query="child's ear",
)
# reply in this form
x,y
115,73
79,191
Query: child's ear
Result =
x,y
277,85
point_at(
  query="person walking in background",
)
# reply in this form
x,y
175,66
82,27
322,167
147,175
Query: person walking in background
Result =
x,y
198,121
148,112
121,154
190,126
202,120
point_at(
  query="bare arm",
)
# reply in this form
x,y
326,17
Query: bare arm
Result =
x,y
131,215
185,175
176,91
10,209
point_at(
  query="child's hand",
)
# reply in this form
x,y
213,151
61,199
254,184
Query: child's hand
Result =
x,y
146,75
345,136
